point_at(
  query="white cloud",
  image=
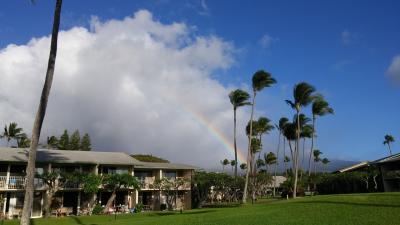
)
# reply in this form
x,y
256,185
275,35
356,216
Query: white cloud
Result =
x,y
348,37
266,41
394,70
132,84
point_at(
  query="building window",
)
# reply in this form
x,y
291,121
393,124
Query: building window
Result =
x,y
169,174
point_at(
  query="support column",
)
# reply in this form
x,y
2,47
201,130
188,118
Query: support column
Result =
x,y
78,208
8,175
4,203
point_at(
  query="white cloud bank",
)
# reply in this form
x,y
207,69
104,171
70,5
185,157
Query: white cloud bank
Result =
x,y
394,70
131,84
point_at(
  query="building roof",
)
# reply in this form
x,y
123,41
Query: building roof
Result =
x,y
83,157
353,167
68,157
392,158
172,166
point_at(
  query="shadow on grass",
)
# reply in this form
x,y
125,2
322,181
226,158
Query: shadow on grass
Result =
x,y
350,203
184,213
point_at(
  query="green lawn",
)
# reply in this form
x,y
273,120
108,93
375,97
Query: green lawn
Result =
x,y
382,208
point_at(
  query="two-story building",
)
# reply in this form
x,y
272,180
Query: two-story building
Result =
x,y
71,198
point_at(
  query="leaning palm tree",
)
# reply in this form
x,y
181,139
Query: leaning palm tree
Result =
x,y
302,94
263,127
319,107
260,80
40,114
11,132
388,139
269,159
238,99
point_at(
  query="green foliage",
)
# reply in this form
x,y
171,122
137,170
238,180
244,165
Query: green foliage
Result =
x,y
75,140
12,132
116,181
341,183
52,142
23,141
149,158
239,98
91,183
63,143
85,143
139,207
97,210
203,181
262,79
243,166
255,145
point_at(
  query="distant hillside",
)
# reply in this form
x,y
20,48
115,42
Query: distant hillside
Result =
x,y
149,158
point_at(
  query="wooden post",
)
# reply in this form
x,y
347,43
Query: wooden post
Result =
x,y
8,176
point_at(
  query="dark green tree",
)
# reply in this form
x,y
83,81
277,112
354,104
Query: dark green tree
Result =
x,y
63,142
388,139
75,141
52,142
12,132
85,143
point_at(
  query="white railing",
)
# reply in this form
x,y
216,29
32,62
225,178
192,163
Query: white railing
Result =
x,y
18,182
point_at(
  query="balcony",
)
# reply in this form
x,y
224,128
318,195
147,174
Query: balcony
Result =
x,y
146,182
18,182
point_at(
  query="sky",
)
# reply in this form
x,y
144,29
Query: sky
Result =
x,y
154,76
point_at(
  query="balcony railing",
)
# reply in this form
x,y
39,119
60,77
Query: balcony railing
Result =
x,y
18,182
146,182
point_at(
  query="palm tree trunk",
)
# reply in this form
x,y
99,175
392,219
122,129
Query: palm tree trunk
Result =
x,y
234,140
311,150
297,155
284,155
37,126
249,154
390,149
110,201
302,158
277,160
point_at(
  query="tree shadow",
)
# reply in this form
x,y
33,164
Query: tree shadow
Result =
x,y
349,203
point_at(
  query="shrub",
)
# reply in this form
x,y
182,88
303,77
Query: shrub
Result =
x,y
341,183
97,210
139,207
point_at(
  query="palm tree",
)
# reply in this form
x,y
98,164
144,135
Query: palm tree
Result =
x,y
40,114
238,98
270,159
306,132
388,139
243,166
263,127
325,161
11,132
260,80
302,94
317,153
286,160
23,141
224,163
319,107
233,164
282,123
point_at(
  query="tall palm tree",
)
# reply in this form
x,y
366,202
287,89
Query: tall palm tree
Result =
x,y
224,163
243,166
233,164
263,127
388,139
23,141
238,99
302,95
319,107
11,132
260,80
316,153
325,161
306,132
282,123
40,114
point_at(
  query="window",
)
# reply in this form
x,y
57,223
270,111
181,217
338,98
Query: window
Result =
x,y
170,174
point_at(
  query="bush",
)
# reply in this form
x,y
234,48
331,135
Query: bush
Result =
x,y
342,183
163,207
97,210
139,207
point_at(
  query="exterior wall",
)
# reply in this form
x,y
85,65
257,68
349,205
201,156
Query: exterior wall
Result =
x,y
12,182
391,181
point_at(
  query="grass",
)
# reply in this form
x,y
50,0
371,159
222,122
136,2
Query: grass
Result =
x,y
376,208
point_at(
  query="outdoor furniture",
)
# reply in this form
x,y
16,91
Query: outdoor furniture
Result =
x,y
65,211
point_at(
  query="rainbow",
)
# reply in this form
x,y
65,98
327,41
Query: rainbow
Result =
x,y
217,134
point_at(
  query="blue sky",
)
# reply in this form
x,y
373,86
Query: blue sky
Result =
x,y
343,48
